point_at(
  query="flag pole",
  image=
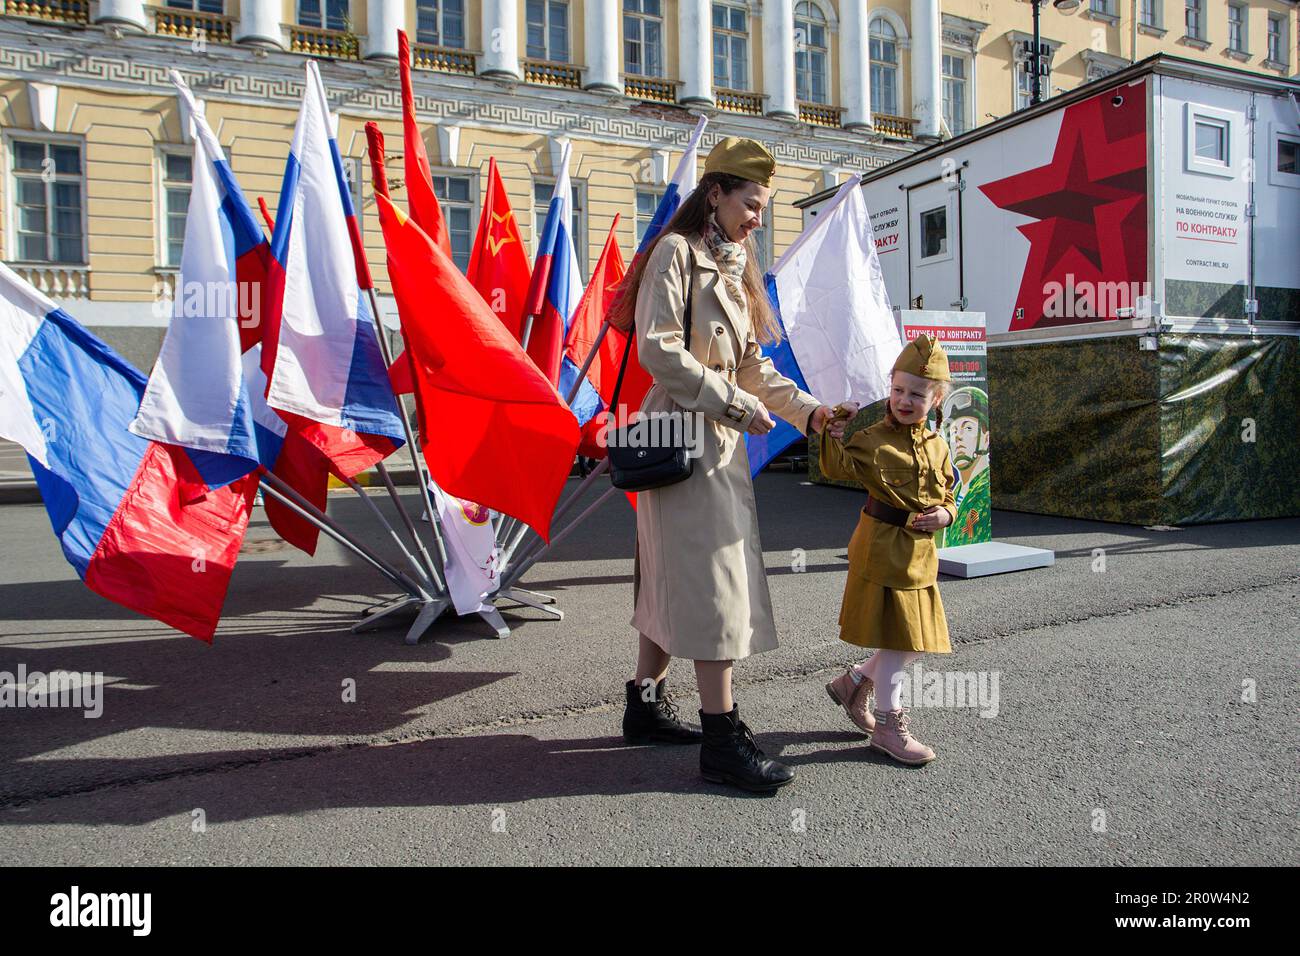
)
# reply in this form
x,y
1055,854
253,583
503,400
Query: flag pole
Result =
x,y
379,181
287,496
429,572
514,574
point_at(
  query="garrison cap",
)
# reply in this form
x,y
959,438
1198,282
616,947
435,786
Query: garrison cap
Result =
x,y
742,157
922,356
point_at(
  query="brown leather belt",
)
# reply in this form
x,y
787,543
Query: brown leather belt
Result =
x,y
886,513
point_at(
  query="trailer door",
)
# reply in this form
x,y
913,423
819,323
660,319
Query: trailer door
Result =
x,y
934,243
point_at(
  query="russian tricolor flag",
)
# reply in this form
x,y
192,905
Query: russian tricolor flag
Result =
x,y
326,375
134,517
839,339
198,393
679,188
554,295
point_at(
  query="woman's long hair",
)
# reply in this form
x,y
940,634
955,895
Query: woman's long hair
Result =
x,y
691,220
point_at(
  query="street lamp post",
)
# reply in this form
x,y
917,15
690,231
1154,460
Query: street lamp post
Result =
x,y
1036,61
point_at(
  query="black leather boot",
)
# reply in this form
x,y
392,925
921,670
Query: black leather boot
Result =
x,y
654,721
730,755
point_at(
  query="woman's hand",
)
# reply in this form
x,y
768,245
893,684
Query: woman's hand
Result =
x,y
833,421
762,423
932,519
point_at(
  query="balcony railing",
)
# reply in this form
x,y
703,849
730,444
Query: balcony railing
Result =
x,y
820,114
548,73
333,44
57,280
192,23
738,101
442,59
651,88
65,11
894,127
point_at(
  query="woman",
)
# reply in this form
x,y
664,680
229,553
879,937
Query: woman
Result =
x,y
699,584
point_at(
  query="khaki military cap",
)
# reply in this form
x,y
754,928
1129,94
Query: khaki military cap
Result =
x,y
923,357
742,157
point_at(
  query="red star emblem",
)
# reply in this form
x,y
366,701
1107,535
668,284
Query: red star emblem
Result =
x,y
498,238
1089,203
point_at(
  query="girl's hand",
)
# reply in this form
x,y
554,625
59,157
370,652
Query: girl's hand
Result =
x,y
932,519
840,416
819,419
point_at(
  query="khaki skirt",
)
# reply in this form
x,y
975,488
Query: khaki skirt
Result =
x,y
873,615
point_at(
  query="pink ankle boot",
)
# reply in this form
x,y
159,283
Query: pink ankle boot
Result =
x,y
854,698
893,737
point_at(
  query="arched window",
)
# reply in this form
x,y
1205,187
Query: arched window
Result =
x,y
730,46
440,23
884,68
811,54
643,37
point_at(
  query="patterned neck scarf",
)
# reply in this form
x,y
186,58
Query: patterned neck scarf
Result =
x,y
730,257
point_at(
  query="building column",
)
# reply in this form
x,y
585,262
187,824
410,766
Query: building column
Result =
x,y
695,51
601,26
855,65
501,39
128,13
259,23
927,66
383,19
778,58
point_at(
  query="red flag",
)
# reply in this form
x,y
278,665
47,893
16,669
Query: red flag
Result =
x,y
585,328
498,264
492,428
420,197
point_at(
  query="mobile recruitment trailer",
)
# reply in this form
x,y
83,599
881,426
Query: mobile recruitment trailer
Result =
x,y
1135,246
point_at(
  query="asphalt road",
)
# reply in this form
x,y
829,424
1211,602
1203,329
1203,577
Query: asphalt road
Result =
x,y
1120,733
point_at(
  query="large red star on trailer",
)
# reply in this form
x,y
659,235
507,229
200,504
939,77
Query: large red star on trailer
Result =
x,y
1089,204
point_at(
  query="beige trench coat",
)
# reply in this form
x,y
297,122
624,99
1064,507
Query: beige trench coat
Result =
x,y
699,584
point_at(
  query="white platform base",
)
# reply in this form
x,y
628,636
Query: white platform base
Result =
x,y
992,557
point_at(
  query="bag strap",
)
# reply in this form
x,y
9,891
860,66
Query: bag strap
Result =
x,y
686,322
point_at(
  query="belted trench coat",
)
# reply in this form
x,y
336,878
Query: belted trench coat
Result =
x,y
699,584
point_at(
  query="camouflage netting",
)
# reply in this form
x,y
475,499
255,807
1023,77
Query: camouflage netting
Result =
x,y
1098,429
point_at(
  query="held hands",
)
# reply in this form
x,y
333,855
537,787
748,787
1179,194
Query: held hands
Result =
x,y
932,519
832,421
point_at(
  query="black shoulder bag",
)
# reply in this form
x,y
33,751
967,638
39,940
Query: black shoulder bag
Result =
x,y
643,468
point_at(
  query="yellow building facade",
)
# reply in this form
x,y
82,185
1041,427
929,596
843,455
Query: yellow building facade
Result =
x,y
95,158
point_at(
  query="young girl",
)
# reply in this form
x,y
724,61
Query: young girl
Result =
x,y
891,600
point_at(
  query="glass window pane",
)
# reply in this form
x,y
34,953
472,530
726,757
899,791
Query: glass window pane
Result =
x,y
934,232
67,250
31,219
1210,142
1287,156
458,189
67,222
67,194
178,200
31,192
174,247
179,168
32,248
29,155
738,20
719,17
652,7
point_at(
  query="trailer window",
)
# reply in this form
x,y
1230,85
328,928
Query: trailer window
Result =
x,y
1211,142
1287,151
934,232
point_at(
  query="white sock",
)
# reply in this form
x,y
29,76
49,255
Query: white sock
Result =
x,y
890,672
860,670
